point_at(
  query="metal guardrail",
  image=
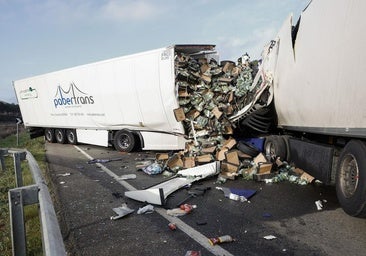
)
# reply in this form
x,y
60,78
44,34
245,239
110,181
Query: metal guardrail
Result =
x,y
25,195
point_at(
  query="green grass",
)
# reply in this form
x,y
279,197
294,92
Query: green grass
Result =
x,y
7,181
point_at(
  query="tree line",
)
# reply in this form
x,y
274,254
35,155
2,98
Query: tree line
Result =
x,y
9,112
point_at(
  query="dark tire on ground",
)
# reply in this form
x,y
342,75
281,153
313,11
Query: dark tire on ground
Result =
x,y
248,148
351,178
71,136
275,146
60,136
49,135
124,141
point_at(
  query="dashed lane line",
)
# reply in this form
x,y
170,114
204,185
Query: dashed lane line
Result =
x,y
191,232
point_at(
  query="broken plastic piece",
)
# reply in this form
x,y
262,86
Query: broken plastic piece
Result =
x,y
146,209
158,193
319,204
121,211
269,237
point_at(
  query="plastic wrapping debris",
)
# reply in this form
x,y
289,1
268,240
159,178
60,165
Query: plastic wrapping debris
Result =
x,y
242,195
220,239
320,204
146,209
269,237
121,211
153,169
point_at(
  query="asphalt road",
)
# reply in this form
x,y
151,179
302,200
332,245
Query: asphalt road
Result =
x,y
85,199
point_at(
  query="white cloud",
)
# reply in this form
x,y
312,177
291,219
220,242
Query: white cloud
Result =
x,y
252,43
129,10
80,12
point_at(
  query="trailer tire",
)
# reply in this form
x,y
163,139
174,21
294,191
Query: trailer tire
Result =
x,y
351,178
124,141
49,135
286,139
71,136
275,146
248,148
60,136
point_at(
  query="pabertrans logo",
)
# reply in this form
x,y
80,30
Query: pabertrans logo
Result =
x,y
71,97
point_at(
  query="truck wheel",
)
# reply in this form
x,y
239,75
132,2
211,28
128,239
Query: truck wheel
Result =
x,y
351,178
275,146
71,136
60,136
248,149
49,135
124,141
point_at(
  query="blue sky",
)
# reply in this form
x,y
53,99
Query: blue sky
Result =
x,y
41,36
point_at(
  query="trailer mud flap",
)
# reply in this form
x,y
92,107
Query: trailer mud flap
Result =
x,y
157,194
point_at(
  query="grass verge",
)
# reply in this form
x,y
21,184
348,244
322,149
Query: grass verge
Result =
x,y
7,181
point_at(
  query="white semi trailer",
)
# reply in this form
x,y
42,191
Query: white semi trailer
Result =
x,y
317,68
127,102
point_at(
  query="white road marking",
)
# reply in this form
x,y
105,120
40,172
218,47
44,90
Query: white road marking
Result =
x,y
191,232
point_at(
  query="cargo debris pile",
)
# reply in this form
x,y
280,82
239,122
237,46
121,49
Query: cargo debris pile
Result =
x,y
208,95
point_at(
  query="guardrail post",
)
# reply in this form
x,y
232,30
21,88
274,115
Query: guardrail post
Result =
x,y
3,152
18,157
19,197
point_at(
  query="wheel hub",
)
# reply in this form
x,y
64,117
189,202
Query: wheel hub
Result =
x,y
350,175
124,141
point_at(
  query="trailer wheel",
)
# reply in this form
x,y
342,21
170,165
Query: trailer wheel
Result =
x,y
351,178
49,135
71,136
60,136
248,148
275,146
124,141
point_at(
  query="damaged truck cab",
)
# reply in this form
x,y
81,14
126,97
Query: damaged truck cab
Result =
x,y
319,92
